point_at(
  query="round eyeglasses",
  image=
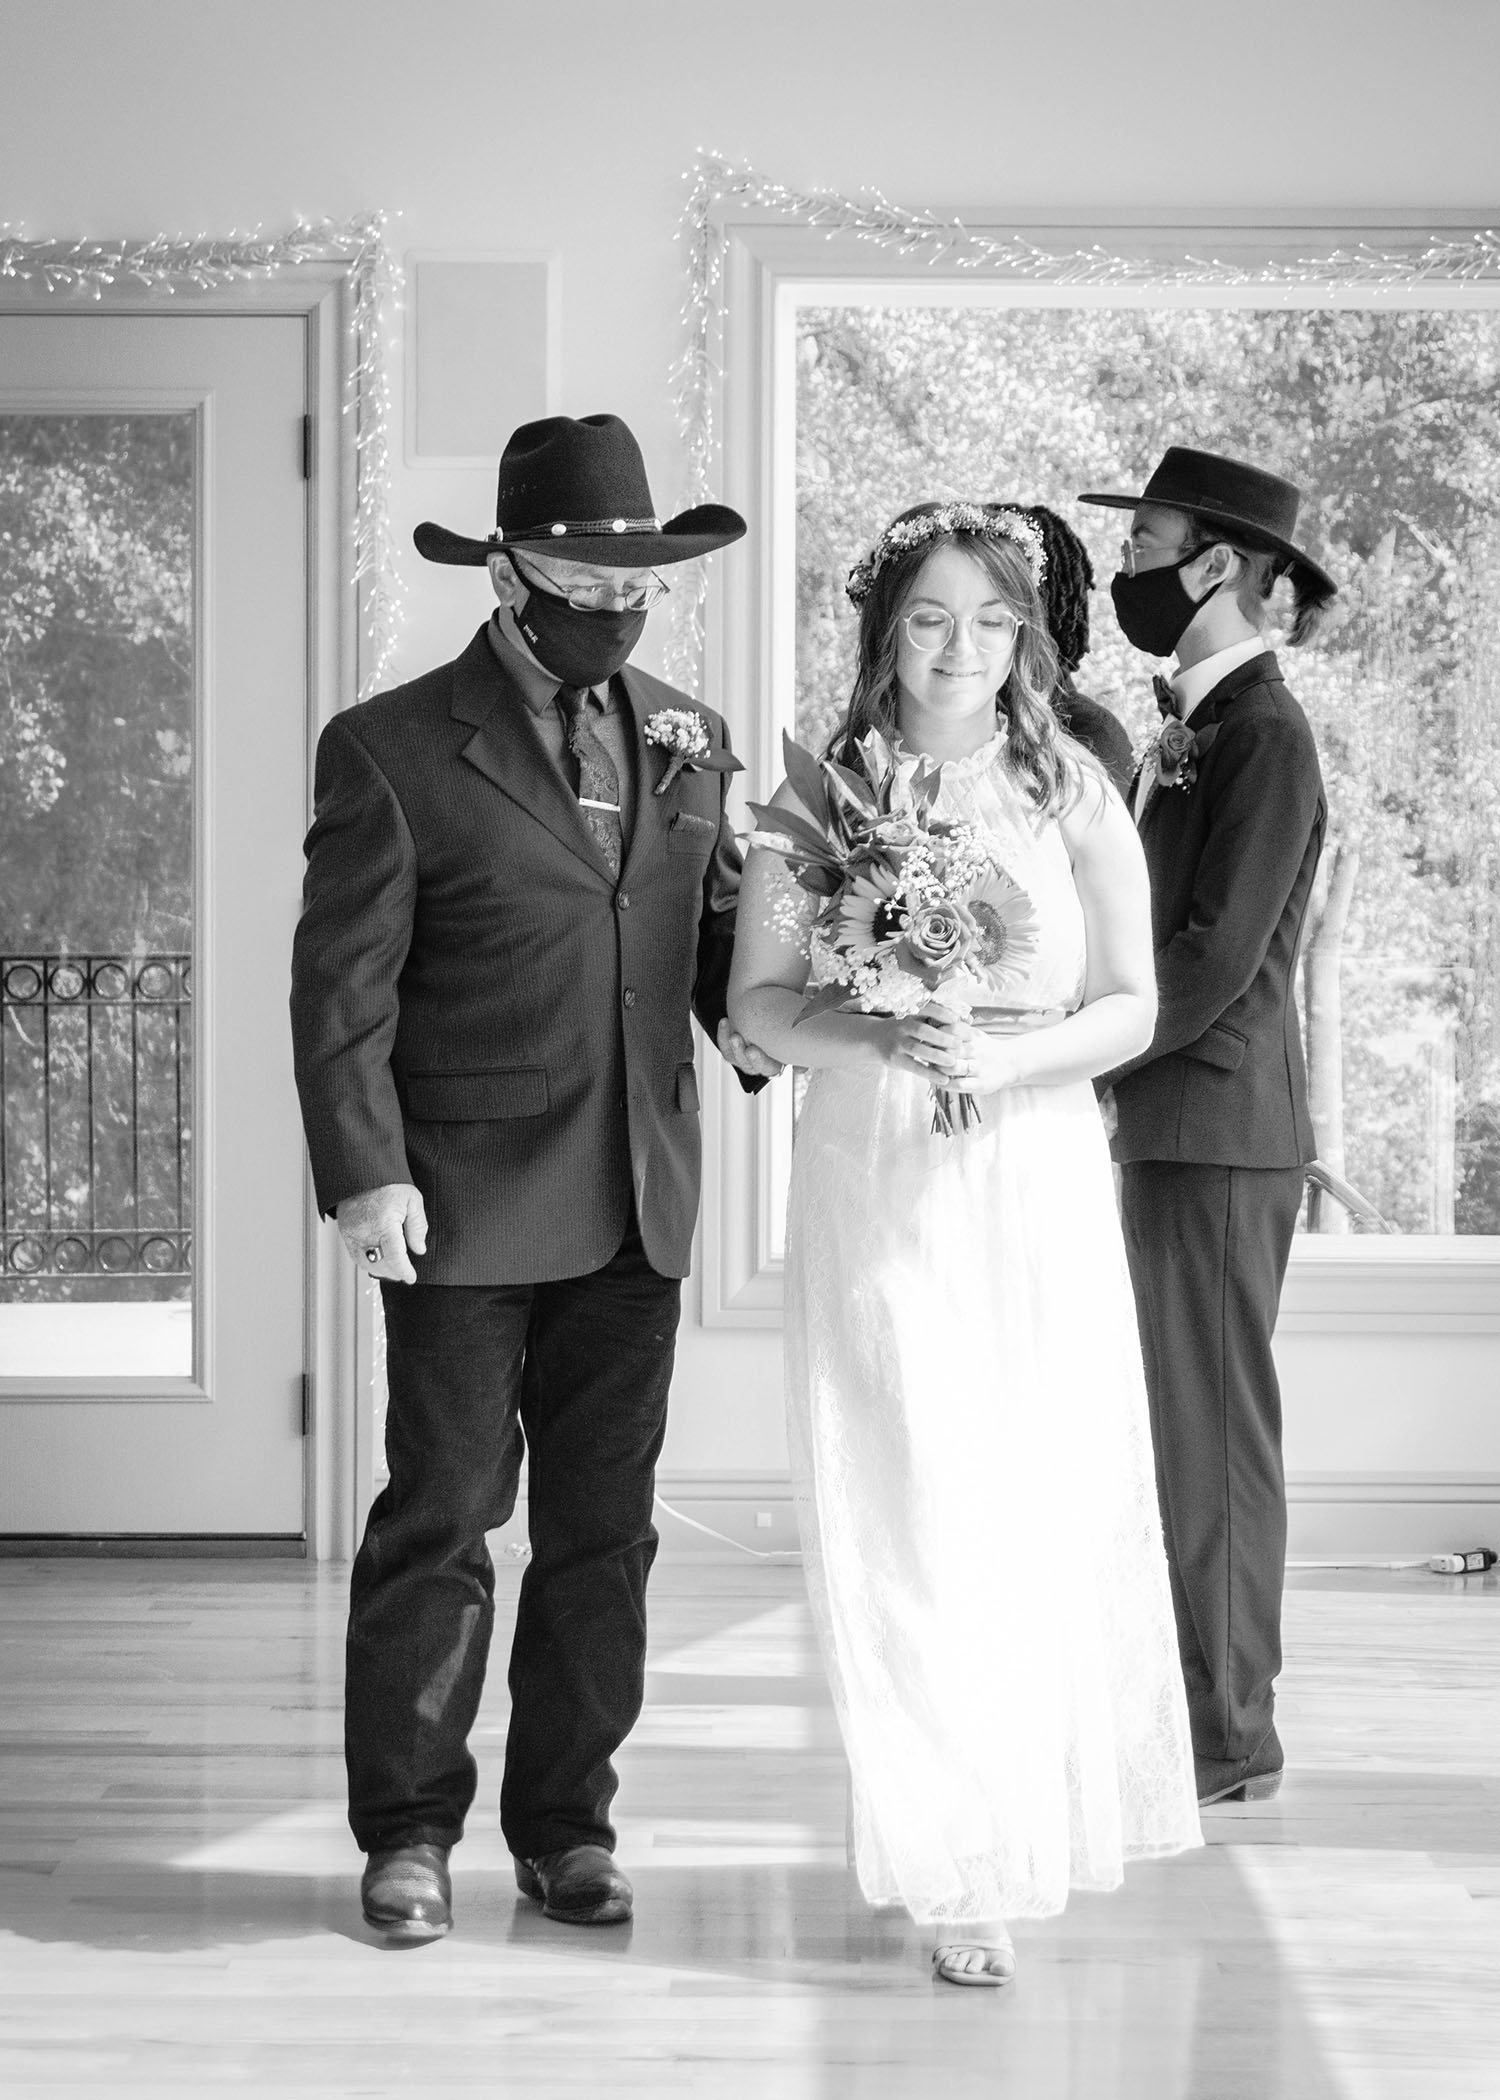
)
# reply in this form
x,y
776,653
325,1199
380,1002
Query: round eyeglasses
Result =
x,y
625,594
929,629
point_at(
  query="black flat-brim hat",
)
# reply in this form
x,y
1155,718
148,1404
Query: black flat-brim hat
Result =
x,y
1250,503
578,490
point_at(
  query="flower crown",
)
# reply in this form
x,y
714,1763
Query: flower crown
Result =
x,y
906,533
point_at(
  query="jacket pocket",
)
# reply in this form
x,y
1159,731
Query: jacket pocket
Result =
x,y
687,1090
476,1097
1222,1047
688,833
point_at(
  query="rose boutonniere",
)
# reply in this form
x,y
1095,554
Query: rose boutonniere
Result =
x,y
1176,749
684,733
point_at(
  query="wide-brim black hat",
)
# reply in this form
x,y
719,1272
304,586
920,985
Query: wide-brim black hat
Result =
x,y
578,489
1246,500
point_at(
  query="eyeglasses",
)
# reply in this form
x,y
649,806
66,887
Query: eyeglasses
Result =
x,y
628,594
930,629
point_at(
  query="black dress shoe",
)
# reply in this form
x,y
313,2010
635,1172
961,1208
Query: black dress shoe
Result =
x,y
406,1893
1253,1778
581,1886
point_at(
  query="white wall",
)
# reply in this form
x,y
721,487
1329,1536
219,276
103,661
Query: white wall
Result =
x,y
488,124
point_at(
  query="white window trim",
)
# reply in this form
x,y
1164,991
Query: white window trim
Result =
x,y
771,268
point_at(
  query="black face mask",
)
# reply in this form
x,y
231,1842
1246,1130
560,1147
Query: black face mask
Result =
x,y
1155,608
580,648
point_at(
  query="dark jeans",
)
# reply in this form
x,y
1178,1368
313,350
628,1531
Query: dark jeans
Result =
x,y
576,1373
1208,1250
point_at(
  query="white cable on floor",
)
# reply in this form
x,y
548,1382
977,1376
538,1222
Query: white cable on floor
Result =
x,y
774,1553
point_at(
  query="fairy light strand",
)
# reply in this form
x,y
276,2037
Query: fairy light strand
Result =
x,y
926,237
166,263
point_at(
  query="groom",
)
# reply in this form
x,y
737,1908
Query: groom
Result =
x,y
1214,1130
520,882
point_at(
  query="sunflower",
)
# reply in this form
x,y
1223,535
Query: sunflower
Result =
x,y
1010,930
872,917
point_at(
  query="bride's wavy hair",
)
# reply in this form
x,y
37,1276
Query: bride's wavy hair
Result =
x,y
1048,774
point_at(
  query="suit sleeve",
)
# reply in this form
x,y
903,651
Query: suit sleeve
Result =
x,y
1266,794
359,896
721,889
1093,725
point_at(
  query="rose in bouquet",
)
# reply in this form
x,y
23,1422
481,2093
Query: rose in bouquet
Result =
x,y
912,907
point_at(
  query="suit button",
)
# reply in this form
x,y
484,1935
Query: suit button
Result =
x,y
623,901
630,995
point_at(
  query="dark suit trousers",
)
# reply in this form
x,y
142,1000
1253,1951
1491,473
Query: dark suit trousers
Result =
x,y
1208,1248
579,1370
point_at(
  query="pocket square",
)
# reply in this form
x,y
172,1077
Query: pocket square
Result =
x,y
684,820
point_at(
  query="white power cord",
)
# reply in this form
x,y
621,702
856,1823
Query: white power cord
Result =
x,y
751,1552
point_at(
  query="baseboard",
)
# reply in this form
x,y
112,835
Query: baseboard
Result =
x,y
62,1545
1352,1517
1391,1516
1343,1516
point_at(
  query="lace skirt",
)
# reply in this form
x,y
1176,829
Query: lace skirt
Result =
x,y
972,1464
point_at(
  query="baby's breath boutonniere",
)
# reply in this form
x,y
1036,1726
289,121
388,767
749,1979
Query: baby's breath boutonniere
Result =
x,y
684,733
1176,749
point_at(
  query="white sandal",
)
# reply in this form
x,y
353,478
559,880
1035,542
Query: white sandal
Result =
x,y
990,1976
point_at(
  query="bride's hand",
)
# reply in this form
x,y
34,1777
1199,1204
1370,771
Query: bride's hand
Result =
x,y
940,1047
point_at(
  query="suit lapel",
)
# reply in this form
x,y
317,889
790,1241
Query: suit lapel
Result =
x,y
1255,671
653,812
507,749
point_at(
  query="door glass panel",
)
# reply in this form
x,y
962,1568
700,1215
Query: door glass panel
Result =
x,y
97,539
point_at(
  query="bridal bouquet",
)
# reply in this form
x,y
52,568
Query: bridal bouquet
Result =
x,y
913,907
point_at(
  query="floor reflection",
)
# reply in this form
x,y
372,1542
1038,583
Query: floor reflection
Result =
x,y
177,1884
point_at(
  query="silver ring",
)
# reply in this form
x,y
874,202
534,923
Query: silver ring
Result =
x,y
372,1254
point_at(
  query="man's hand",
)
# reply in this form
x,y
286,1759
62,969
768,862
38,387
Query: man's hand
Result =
x,y
745,1057
378,1226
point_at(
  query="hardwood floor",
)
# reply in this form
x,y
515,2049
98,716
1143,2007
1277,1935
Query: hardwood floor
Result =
x,y
178,1908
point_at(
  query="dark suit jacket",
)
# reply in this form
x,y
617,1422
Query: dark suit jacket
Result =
x,y
476,1007
1090,723
1231,861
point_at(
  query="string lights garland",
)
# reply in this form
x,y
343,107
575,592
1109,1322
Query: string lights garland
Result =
x,y
933,241
90,269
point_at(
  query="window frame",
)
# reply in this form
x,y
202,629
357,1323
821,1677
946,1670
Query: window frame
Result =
x,y
759,266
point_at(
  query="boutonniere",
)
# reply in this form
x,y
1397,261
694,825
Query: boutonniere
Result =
x,y
1176,749
684,734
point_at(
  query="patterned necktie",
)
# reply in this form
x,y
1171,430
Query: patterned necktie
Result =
x,y
598,782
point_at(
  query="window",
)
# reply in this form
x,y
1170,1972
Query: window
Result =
x,y
852,390
1391,420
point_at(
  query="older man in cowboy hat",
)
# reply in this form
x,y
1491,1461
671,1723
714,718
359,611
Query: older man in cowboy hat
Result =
x,y
1214,1131
520,884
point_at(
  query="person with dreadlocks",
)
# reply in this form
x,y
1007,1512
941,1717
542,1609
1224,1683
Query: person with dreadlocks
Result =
x,y
963,1372
1214,1132
1066,584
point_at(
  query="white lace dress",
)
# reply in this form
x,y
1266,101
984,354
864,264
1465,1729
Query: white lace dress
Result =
x,y
973,1471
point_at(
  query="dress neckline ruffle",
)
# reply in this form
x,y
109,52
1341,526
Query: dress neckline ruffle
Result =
x,y
973,766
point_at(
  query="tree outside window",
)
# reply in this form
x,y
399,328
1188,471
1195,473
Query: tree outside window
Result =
x,y
1390,420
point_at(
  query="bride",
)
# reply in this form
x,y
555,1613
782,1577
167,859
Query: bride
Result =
x,y
966,1412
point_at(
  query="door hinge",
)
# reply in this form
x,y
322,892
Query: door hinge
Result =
x,y
307,448
306,1403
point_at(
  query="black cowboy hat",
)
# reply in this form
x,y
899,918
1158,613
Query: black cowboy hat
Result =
x,y
578,489
1252,504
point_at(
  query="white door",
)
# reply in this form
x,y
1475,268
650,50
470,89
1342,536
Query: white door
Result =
x,y
153,734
